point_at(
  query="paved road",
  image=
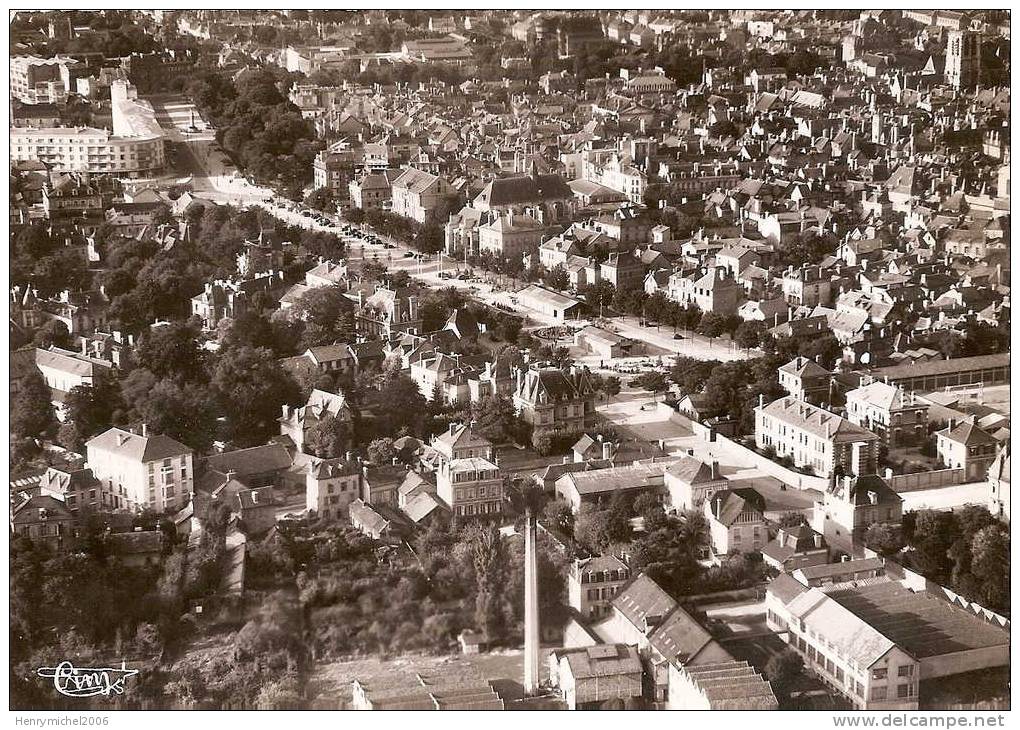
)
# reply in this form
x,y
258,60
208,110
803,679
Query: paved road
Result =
x,y
214,176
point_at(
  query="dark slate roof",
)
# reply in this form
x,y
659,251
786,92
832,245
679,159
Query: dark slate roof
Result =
x,y
525,189
29,511
643,597
255,460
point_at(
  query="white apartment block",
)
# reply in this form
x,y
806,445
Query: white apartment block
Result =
x,y
36,80
135,148
154,472
815,438
607,167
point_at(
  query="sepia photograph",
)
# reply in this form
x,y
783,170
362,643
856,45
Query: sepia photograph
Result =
x,y
510,359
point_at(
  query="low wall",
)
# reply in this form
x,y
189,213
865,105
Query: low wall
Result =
x,y
926,480
787,476
665,410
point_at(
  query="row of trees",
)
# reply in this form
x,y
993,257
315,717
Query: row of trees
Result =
x,y
427,238
257,125
966,549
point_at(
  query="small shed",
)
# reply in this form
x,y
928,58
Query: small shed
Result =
x,y
471,642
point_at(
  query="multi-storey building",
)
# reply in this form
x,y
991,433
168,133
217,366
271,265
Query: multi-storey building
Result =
x,y
36,80
331,485
713,291
322,405
968,447
63,370
691,481
388,312
135,147
333,170
225,298
795,547
598,486
467,479
593,582
736,521
898,417
544,196
815,438
418,195
45,520
373,190
842,649
851,505
805,380
998,484
876,641
510,235
615,171
79,199
623,270
554,401
80,490
154,472
589,676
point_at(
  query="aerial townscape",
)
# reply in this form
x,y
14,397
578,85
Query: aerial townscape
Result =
x,y
510,359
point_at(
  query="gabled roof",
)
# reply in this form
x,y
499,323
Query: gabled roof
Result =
x,y
254,460
969,434
999,470
40,508
691,470
817,421
850,636
463,323
421,506
642,598
727,505
135,447
679,638
524,189
72,363
804,367
146,542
